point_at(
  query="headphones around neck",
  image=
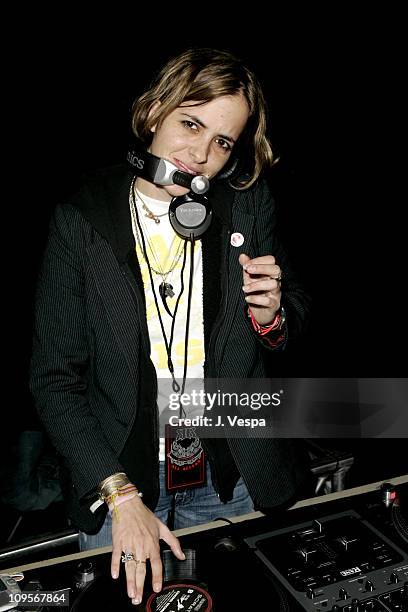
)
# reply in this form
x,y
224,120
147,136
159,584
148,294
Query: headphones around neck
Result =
x,y
190,215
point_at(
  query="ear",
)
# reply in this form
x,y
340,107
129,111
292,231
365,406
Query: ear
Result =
x,y
152,110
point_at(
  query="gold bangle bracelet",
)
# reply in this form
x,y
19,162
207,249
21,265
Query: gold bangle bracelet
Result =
x,y
106,491
109,478
112,483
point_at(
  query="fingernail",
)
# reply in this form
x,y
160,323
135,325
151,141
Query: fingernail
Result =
x,y
131,594
183,556
114,576
136,601
157,587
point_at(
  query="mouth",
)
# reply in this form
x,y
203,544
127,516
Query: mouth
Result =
x,y
185,168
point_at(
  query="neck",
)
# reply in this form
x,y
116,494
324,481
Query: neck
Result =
x,y
152,191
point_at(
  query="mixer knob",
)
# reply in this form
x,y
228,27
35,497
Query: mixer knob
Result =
x,y
343,594
85,572
347,542
310,593
369,586
335,608
355,605
305,553
394,578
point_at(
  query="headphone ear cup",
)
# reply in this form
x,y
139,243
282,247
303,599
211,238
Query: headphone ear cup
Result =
x,y
190,215
230,169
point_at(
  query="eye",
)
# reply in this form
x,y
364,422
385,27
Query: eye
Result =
x,y
190,125
223,144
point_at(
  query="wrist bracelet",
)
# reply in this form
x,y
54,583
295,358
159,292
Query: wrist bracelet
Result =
x,y
113,505
112,484
276,324
112,489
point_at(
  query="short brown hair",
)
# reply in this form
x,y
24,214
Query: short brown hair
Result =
x,y
202,75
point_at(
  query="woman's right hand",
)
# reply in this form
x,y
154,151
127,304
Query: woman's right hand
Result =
x,y
138,531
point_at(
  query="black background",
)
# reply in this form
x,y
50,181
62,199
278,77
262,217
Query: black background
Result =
x,y
331,83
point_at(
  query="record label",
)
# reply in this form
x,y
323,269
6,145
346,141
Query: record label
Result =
x,y
176,597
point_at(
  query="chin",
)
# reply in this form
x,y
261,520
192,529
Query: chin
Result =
x,y
176,190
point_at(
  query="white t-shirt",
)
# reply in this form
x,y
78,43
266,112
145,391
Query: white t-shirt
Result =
x,y
165,252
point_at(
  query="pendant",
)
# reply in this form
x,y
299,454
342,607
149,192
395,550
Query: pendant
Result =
x,y
150,215
166,290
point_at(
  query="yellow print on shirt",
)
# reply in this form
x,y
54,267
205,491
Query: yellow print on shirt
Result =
x,y
195,354
151,310
166,259
161,257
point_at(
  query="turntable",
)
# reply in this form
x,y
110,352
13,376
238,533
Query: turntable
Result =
x,y
349,554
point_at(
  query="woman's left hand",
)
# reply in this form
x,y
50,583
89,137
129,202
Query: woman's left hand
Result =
x,y
261,286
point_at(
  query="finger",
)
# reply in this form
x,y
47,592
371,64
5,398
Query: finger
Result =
x,y
172,541
115,562
130,569
262,285
262,300
140,579
244,260
262,260
157,572
270,270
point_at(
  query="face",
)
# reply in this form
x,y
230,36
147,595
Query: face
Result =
x,y
197,139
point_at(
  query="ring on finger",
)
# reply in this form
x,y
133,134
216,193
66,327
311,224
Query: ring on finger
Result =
x,y
127,556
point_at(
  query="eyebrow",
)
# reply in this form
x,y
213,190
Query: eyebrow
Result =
x,y
197,120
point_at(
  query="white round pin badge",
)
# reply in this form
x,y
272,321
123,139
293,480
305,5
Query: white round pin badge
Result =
x,y
237,239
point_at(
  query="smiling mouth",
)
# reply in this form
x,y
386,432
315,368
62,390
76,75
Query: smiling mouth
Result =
x,y
185,168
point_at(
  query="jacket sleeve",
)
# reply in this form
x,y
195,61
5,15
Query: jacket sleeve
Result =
x,y
60,359
295,301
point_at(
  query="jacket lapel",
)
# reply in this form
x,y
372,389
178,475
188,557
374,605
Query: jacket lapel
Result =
x,y
114,264
241,223
222,272
124,309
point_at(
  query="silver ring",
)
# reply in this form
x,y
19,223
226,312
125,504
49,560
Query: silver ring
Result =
x,y
128,556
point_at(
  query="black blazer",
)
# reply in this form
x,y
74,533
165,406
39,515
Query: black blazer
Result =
x,y
92,378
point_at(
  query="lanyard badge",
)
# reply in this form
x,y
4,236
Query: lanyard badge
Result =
x,y
185,459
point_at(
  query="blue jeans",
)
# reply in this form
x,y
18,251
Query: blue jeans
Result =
x,y
192,507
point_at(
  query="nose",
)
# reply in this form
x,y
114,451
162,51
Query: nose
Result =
x,y
199,150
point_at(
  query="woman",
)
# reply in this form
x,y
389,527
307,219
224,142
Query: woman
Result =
x,y
104,346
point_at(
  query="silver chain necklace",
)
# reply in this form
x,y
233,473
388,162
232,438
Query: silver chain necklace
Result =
x,y
165,288
148,213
